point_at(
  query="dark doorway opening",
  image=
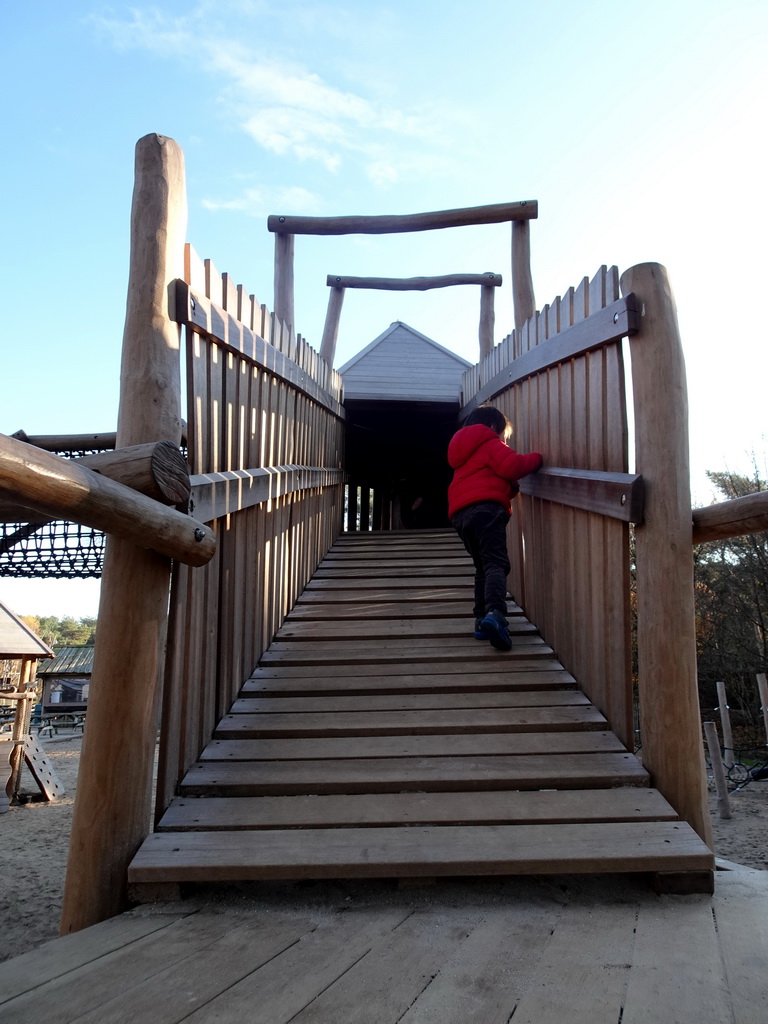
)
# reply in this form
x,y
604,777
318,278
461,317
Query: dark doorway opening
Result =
x,y
396,464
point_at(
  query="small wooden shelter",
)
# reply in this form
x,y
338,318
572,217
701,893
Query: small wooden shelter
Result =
x,y
66,679
402,400
20,651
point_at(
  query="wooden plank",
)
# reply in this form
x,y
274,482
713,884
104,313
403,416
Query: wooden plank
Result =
x,y
498,807
387,775
410,702
420,850
57,958
387,629
417,651
337,597
582,975
90,988
403,723
281,988
383,986
233,746
742,934
410,677
318,611
333,582
688,982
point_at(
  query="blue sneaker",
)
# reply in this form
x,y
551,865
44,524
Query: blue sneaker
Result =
x,y
480,631
497,631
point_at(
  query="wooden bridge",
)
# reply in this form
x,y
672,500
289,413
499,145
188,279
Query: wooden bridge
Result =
x,y
377,737
324,710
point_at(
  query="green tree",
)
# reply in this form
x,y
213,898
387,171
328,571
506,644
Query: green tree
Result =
x,y
731,581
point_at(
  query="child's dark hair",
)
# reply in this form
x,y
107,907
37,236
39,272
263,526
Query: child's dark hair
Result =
x,y
491,417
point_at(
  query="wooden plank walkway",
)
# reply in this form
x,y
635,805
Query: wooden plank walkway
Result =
x,y
482,951
377,737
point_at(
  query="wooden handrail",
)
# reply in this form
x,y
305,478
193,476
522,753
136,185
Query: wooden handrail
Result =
x,y
618,495
734,518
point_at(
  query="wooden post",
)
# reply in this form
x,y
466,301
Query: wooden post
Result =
x,y
284,245
522,281
762,686
113,800
331,330
487,319
718,770
725,723
673,751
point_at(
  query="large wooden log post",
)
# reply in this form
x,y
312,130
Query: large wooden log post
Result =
x,y
522,280
331,330
487,321
670,721
283,303
112,805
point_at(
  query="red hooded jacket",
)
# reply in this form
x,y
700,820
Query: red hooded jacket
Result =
x,y
485,469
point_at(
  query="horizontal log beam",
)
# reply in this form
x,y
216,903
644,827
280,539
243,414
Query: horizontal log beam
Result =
x,y
527,209
222,494
158,470
733,518
413,284
618,495
68,442
76,442
66,489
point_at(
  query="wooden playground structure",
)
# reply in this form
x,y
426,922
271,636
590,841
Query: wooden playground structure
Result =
x,y
322,707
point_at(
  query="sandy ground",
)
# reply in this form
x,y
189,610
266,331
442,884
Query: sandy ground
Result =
x,y
34,838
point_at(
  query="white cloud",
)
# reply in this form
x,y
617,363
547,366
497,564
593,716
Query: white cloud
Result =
x,y
259,202
283,106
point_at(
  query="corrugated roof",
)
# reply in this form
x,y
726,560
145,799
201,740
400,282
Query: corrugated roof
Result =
x,y
70,661
17,640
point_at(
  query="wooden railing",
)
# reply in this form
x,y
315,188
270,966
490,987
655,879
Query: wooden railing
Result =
x,y
265,437
561,382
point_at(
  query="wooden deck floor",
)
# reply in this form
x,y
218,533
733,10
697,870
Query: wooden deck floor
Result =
x,y
377,738
484,951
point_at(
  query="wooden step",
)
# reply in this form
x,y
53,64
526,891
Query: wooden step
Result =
x,y
516,674
410,701
401,774
410,723
457,745
495,807
376,652
419,850
399,630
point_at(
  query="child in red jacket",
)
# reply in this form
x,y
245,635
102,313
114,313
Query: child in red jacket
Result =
x,y
484,482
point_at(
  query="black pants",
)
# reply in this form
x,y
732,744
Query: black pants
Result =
x,y
483,529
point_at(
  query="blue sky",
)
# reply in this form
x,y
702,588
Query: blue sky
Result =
x,y
639,128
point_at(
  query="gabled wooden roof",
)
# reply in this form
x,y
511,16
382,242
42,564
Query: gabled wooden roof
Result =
x,y
403,365
17,640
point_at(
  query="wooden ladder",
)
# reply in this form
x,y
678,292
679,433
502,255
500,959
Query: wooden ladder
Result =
x,y
378,738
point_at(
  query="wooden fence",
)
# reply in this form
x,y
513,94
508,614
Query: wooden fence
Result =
x,y
561,382
265,436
